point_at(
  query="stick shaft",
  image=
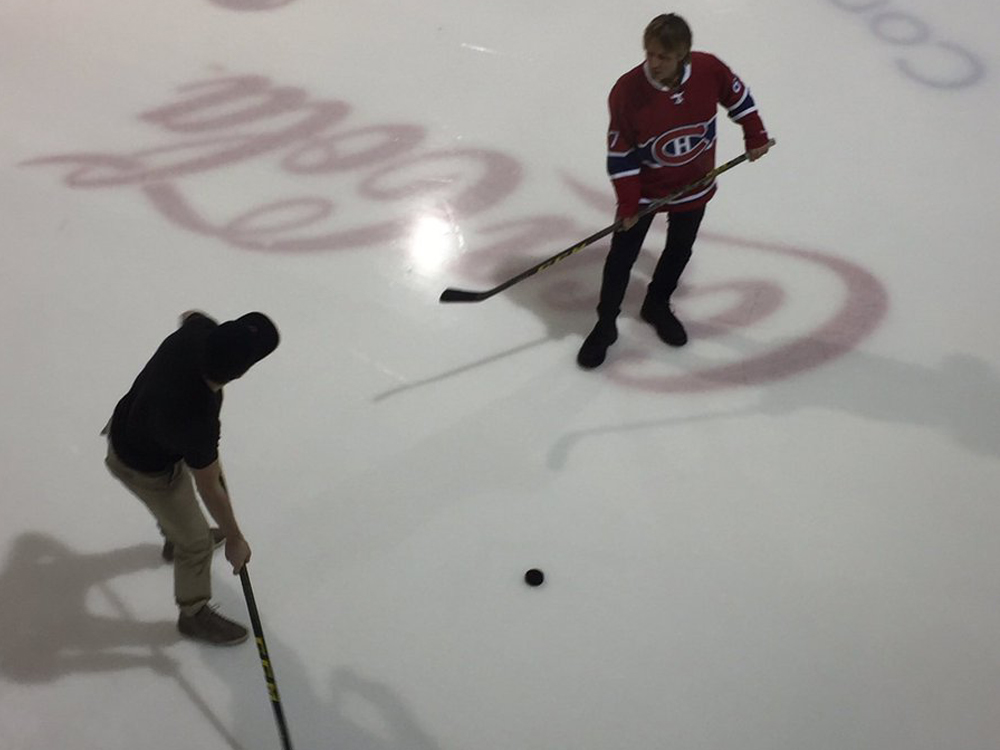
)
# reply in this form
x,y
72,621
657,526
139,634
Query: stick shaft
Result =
x,y
265,660
462,295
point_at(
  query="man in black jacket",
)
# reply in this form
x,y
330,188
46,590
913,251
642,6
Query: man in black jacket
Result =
x,y
165,432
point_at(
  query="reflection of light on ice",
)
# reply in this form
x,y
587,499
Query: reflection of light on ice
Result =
x,y
433,241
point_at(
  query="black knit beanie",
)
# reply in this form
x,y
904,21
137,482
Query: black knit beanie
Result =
x,y
236,345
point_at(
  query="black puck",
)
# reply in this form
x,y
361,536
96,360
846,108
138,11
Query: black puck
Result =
x,y
534,577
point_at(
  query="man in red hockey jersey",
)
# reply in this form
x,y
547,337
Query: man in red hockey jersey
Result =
x,y
662,136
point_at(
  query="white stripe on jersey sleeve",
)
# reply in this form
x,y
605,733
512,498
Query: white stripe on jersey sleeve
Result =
x,y
746,93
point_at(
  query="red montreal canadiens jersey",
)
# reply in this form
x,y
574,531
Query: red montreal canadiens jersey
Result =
x,y
661,139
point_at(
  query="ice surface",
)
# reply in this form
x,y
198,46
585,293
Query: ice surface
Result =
x,y
780,536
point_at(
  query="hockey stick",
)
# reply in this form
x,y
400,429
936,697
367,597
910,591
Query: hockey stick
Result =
x,y
265,661
463,295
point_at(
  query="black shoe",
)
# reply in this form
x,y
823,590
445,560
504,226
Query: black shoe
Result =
x,y
217,541
662,318
595,346
209,626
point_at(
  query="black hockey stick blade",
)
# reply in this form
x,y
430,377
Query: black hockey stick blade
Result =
x,y
462,295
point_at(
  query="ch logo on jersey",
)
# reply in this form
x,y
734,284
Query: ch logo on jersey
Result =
x,y
612,139
682,145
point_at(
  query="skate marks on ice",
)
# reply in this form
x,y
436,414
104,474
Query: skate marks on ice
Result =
x,y
559,453
461,370
251,5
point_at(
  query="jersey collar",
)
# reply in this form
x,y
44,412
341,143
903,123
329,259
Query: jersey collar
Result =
x,y
659,86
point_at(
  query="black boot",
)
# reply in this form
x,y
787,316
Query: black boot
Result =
x,y
595,346
662,318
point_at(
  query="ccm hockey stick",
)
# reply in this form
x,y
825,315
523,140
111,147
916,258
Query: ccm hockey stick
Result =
x,y
265,660
463,295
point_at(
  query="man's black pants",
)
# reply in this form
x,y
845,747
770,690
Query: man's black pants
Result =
x,y
682,230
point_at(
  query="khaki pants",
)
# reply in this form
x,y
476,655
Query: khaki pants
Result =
x,y
171,498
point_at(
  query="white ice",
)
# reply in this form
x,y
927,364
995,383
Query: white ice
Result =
x,y
783,536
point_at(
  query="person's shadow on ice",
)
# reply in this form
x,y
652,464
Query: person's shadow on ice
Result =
x,y
46,628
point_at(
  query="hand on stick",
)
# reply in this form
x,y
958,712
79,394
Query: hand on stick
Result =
x,y
628,223
237,552
755,153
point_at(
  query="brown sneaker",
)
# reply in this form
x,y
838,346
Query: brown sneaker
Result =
x,y
209,626
217,541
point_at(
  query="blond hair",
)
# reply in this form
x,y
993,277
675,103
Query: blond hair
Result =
x,y
671,32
